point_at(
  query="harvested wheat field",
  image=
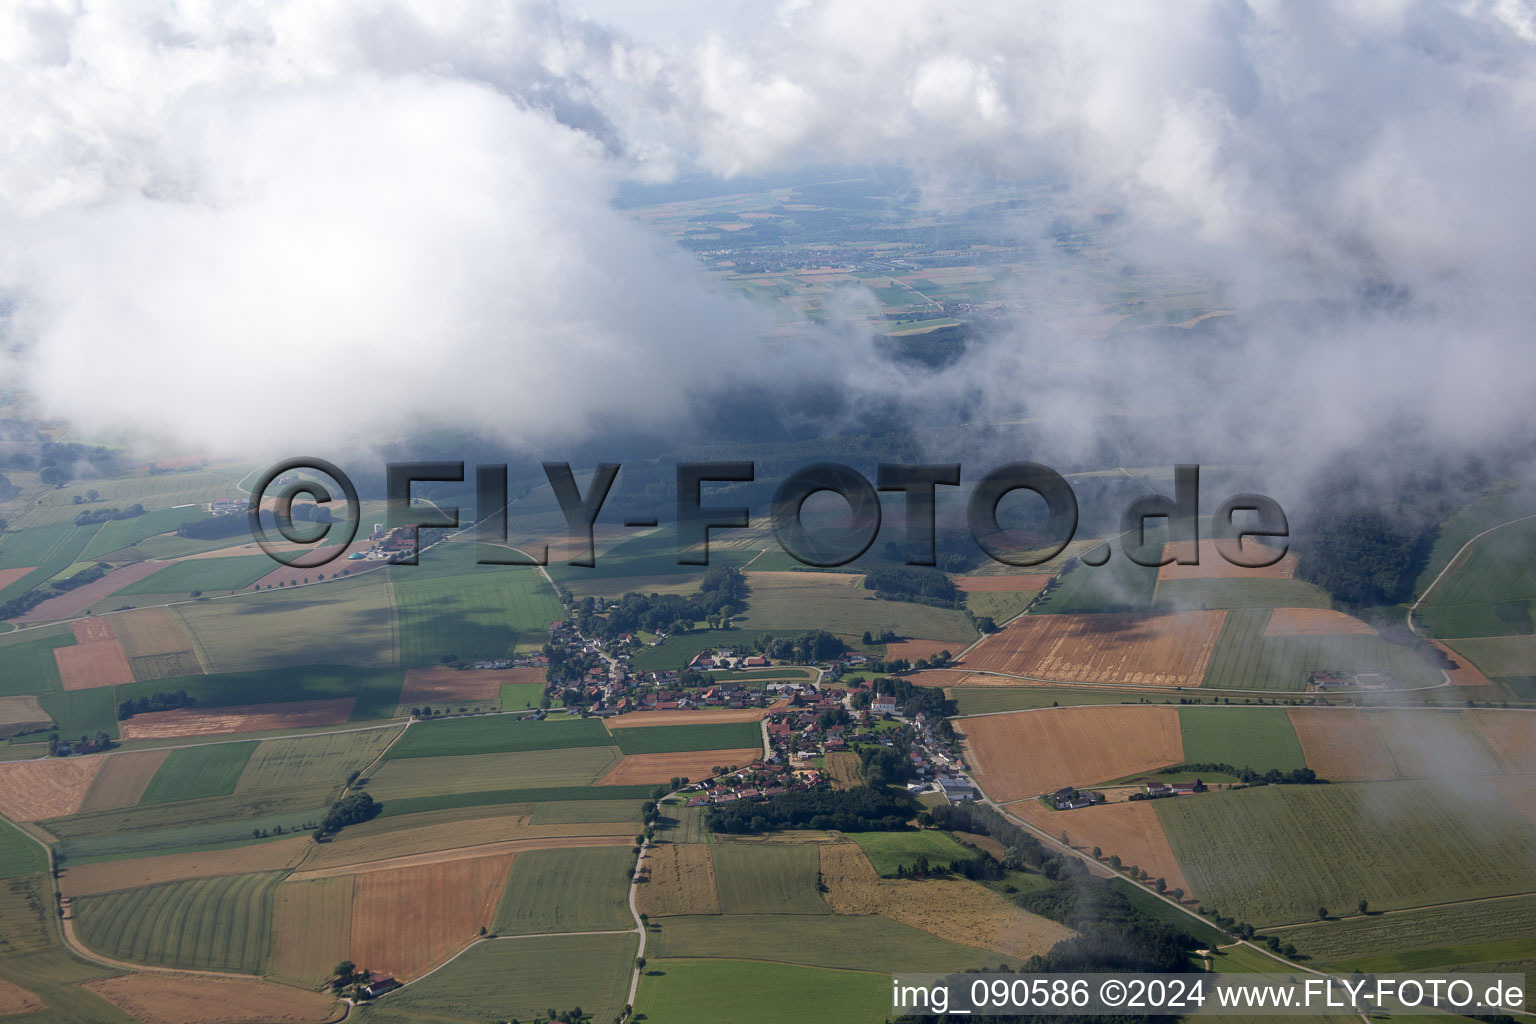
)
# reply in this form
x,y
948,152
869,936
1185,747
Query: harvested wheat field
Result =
x,y
681,880
1003,584
1132,831
110,876
311,929
149,631
38,790
1214,567
1465,673
843,768
407,921
9,576
700,716
96,659
912,650
1145,650
951,908
960,677
22,714
74,602
16,1000
1314,622
1433,744
1511,734
639,769
1518,792
443,685
123,781
1339,744
434,840
299,714
1025,753
165,998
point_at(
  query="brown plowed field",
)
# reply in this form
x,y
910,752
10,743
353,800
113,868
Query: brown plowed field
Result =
x,y
109,876
52,788
912,650
1314,622
96,659
299,714
16,1000
699,716
123,781
682,881
1004,584
74,602
148,631
1518,792
435,841
1026,753
407,921
311,929
953,908
1213,567
157,997
1465,673
9,576
1146,650
1131,831
960,677
1511,734
1340,745
442,685
21,714
639,769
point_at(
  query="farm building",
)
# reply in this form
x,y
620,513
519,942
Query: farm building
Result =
x,y
377,986
956,789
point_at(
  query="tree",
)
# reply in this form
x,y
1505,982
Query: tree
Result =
x,y
1363,905
1161,885
639,963
1322,913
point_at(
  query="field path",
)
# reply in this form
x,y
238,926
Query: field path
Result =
x,y
1456,562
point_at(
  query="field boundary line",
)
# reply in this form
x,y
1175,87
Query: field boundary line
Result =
x,y
1404,910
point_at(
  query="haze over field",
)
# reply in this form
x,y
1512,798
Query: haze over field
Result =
x,y
410,209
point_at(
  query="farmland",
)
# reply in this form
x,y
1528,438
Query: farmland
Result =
x,y
183,999
1245,658
376,692
490,734
1420,939
861,942
1212,565
30,665
582,890
123,781
1341,745
1028,753
1488,591
663,739
302,714
680,880
19,855
677,651
111,875
425,777
1134,832
312,760
218,924
888,851
790,602
636,769
407,920
35,790
1120,585
351,621
1161,650
1257,738
767,879
211,770
1310,846
520,978
311,929
202,575
445,685
749,992
1432,744
504,797
475,617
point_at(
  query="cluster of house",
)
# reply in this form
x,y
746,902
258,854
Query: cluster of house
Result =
x,y
1069,798
228,506
760,779
1157,789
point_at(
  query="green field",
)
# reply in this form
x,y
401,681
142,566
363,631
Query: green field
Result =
x,y
349,622
1499,656
82,712
311,761
1182,595
1257,738
1245,659
193,772
520,696
999,605
474,617
51,549
518,978
752,674
578,890
888,851
1119,585
1275,854
757,878
30,666
32,955
1155,907
1498,505
203,575
416,777
990,700
19,855
1422,939
1491,592
801,601
497,797
211,924
859,942
752,992
121,533
560,813
490,734
377,691
661,739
